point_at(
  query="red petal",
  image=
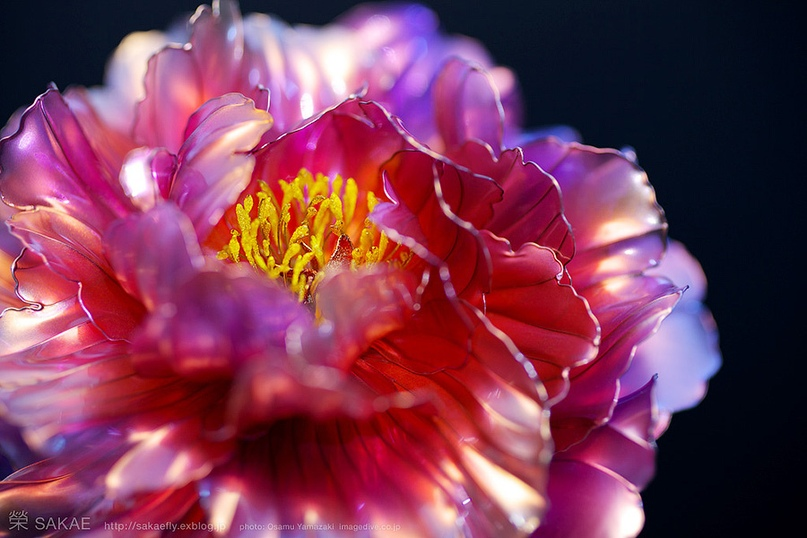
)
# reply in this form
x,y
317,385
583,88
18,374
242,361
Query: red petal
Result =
x,y
547,320
531,209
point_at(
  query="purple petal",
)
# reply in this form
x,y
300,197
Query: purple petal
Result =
x,y
684,353
594,486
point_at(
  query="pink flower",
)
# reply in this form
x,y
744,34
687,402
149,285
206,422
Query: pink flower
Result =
x,y
295,279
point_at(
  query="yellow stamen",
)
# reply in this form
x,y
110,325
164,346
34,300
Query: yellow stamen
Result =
x,y
308,230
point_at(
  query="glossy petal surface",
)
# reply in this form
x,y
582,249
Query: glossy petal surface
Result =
x,y
303,277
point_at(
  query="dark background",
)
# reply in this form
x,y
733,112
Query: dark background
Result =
x,y
711,96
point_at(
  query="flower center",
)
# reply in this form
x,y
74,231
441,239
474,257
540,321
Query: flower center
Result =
x,y
308,230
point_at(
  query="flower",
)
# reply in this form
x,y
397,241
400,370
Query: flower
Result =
x,y
273,278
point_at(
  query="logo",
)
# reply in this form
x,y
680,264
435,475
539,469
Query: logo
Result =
x,y
18,520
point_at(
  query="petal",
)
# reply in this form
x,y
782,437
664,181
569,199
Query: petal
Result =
x,y
154,253
181,78
594,486
531,209
467,106
618,226
109,145
546,319
147,175
435,211
123,88
684,353
361,306
74,251
404,53
214,163
611,506
476,470
214,323
50,163
173,92
164,459
629,310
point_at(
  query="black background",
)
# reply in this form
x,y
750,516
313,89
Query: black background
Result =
x,y
711,96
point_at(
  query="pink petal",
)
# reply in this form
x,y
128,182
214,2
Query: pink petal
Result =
x,y
173,92
163,459
147,175
50,163
618,226
37,283
214,163
116,101
467,106
629,310
181,78
154,253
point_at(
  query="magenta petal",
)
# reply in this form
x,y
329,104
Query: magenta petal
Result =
x,y
618,226
214,323
467,106
594,486
214,163
591,502
50,163
9,245
629,310
154,253
109,145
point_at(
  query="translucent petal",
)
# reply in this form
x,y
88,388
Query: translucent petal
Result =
x,y
618,226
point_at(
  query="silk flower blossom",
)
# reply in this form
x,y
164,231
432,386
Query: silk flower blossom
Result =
x,y
321,278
